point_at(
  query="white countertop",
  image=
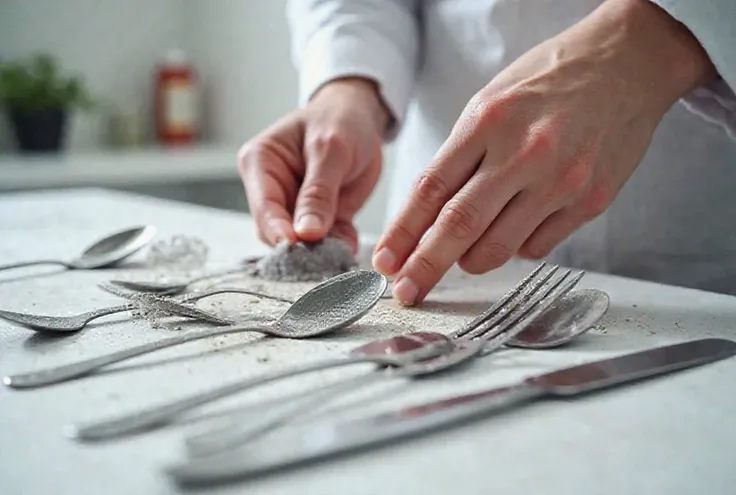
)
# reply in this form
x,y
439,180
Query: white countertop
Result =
x,y
672,435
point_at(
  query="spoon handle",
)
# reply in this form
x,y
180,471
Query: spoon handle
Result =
x,y
230,290
33,263
160,415
99,313
65,372
217,274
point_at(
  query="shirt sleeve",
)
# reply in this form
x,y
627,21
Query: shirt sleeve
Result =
x,y
713,23
376,39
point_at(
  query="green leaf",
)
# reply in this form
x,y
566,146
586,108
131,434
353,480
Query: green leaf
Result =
x,y
38,83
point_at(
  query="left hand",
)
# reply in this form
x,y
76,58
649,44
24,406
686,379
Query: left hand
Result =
x,y
544,148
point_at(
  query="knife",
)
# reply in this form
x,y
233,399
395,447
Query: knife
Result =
x,y
321,440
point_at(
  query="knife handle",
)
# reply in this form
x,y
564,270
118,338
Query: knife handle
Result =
x,y
326,439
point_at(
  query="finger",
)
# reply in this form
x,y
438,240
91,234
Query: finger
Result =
x,y
327,158
453,166
550,233
459,225
507,233
269,195
346,231
352,198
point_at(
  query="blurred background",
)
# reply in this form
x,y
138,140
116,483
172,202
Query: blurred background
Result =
x,y
104,64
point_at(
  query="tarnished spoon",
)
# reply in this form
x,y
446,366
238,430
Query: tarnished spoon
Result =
x,y
331,305
169,288
74,323
105,252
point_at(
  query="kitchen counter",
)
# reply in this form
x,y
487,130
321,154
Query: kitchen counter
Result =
x,y
671,435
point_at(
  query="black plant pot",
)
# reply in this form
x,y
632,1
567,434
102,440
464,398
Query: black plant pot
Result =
x,y
39,130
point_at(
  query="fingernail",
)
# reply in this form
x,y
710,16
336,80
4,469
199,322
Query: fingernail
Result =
x,y
406,291
384,261
309,223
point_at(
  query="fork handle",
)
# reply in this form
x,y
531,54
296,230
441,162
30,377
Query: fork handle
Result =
x,y
37,262
160,415
80,368
240,427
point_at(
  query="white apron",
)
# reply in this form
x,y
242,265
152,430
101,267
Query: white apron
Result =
x,y
672,222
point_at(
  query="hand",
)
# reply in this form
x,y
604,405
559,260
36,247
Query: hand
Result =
x,y
544,148
309,174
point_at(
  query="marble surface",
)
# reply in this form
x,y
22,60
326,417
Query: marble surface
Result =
x,y
672,435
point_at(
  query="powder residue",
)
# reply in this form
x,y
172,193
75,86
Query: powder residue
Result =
x,y
306,262
179,251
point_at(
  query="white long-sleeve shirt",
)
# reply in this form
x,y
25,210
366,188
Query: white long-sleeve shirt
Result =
x,y
670,223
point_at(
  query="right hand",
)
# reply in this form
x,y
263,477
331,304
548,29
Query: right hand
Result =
x,y
308,174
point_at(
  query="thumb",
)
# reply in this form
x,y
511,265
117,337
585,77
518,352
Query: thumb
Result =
x,y
326,159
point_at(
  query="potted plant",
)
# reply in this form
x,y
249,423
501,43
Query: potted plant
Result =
x,y
38,99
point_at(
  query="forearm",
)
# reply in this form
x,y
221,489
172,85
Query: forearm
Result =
x,y
658,59
353,40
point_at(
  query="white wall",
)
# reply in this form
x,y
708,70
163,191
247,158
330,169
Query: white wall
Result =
x,y
240,48
113,44
242,51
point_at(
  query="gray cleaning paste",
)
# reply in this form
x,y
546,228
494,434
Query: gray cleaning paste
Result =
x,y
306,262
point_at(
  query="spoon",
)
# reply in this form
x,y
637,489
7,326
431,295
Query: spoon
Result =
x,y
73,323
105,252
569,318
395,352
334,304
170,288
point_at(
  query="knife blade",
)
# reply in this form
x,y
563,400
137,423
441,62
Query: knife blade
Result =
x,y
317,441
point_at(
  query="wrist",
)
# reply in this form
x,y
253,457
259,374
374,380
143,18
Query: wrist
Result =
x,y
362,90
662,53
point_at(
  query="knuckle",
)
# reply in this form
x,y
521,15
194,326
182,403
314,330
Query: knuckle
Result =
x,y
460,220
402,234
316,193
484,111
425,267
544,141
247,154
490,255
535,250
576,178
430,189
331,139
596,202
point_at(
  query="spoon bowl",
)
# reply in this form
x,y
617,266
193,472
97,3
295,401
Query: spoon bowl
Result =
x,y
115,247
335,303
105,252
570,317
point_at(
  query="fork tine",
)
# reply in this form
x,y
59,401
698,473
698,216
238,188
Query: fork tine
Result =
x,y
531,311
512,304
498,304
490,329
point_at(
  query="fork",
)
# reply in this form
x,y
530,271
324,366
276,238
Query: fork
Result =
x,y
485,333
493,328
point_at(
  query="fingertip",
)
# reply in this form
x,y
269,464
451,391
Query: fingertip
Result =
x,y
384,261
280,230
406,292
309,226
